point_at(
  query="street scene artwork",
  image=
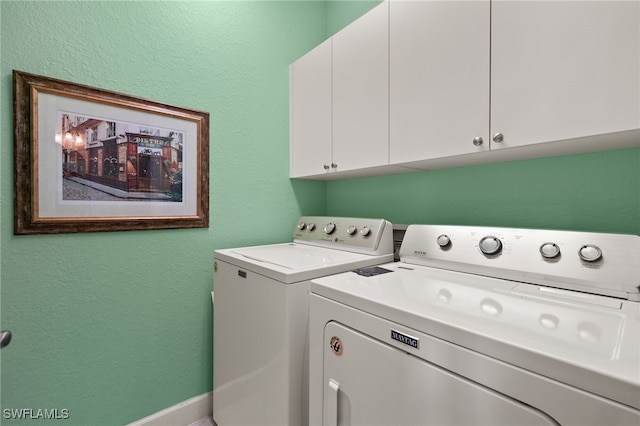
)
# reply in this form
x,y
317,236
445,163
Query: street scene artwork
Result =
x,y
106,160
91,160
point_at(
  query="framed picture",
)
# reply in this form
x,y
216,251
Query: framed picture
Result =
x,y
88,159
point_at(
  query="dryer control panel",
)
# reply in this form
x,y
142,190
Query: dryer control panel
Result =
x,y
360,235
607,264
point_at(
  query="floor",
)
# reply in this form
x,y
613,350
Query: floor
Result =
x,y
207,421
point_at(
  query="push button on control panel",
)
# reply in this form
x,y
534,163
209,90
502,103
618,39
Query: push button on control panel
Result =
x,y
490,245
549,250
590,253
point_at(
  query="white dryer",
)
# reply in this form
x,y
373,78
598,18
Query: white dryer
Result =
x,y
481,326
261,309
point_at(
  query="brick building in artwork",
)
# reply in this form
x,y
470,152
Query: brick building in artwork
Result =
x,y
120,155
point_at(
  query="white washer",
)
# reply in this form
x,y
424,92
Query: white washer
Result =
x,y
260,373
481,326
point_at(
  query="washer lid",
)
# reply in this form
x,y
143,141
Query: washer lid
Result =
x,y
296,256
292,262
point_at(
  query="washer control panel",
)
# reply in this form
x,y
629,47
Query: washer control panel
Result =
x,y
599,263
374,236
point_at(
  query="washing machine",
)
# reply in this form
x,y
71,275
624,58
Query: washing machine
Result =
x,y
481,326
261,311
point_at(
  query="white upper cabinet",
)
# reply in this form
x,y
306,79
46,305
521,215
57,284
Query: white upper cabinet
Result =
x,y
420,84
564,69
439,78
310,112
361,92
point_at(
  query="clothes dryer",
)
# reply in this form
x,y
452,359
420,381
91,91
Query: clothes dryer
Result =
x,y
478,325
261,315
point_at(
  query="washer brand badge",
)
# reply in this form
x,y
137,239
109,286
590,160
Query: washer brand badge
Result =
x,y
336,346
406,339
419,253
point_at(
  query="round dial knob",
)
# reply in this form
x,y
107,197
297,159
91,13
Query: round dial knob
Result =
x,y
590,253
301,225
311,226
443,240
351,230
490,245
365,231
549,250
329,228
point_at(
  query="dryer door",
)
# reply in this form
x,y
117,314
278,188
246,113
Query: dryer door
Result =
x,y
367,382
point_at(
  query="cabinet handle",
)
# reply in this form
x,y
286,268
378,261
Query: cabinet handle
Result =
x,y
326,167
498,137
334,166
477,141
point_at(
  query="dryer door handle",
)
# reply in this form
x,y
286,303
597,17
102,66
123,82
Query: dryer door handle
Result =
x,y
331,407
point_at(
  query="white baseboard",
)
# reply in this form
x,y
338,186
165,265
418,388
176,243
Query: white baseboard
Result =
x,y
184,413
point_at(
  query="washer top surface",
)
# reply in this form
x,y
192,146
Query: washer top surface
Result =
x,y
297,257
292,262
321,246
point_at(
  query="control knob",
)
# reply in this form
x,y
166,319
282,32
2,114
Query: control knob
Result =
x,y
365,231
549,250
351,230
590,253
311,226
329,228
301,225
490,245
443,240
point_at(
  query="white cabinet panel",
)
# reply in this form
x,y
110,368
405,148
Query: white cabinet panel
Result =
x,y
310,112
564,69
412,83
361,92
439,78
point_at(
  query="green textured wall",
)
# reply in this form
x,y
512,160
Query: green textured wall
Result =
x,y
598,192
341,13
116,326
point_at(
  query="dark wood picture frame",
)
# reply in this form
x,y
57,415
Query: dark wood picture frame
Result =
x,y
88,159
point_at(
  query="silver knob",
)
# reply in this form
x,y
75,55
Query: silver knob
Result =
x,y
498,137
443,240
311,226
351,230
302,225
477,141
326,167
334,165
549,250
329,228
490,245
590,253
365,231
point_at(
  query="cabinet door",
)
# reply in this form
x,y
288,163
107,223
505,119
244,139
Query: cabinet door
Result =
x,y
310,112
439,78
564,69
361,92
